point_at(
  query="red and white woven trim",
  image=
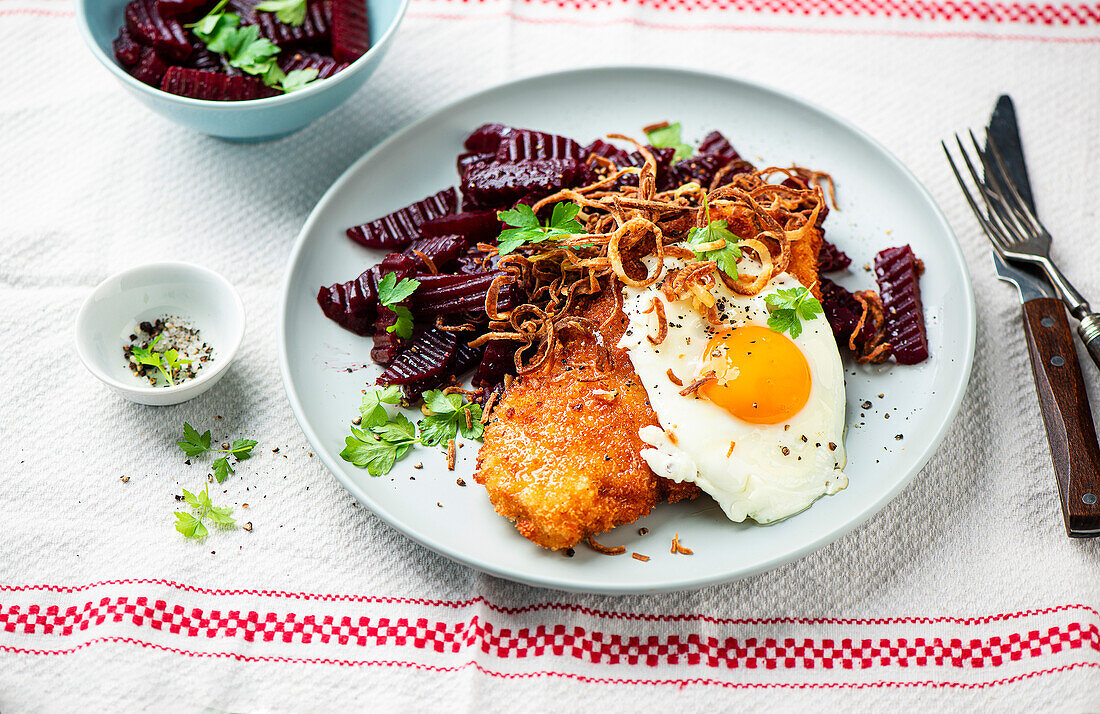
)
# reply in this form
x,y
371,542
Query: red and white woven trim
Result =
x,y
805,14
548,639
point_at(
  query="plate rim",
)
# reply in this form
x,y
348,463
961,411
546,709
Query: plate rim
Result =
x,y
968,314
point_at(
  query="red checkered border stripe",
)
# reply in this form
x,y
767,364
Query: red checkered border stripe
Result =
x,y
475,635
1026,13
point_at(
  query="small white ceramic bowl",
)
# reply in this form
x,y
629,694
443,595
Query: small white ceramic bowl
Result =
x,y
109,316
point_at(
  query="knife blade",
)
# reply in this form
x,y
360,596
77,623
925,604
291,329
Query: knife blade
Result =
x,y
1058,379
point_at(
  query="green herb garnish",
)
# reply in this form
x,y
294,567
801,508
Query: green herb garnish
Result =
x,y
372,411
713,232
291,12
668,137
244,49
167,362
378,447
391,292
527,229
379,440
450,415
191,524
299,79
789,307
196,444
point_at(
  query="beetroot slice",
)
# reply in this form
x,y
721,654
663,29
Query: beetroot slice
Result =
x,y
527,144
701,169
498,361
897,273
387,345
466,358
440,250
314,31
472,158
352,305
127,50
498,185
401,227
445,294
179,8
427,357
463,360
601,148
197,84
204,59
149,27
326,66
716,144
486,138
474,226
150,68
350,29
663,157
831,259
843,311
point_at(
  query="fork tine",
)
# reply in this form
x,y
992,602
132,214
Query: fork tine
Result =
x,y
1022,208
1007,231
991,231
994,184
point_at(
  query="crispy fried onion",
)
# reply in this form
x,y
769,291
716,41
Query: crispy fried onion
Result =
x,y
658,307
876,350
630,227
601,548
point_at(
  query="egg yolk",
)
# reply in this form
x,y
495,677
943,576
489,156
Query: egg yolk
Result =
x,y
760,376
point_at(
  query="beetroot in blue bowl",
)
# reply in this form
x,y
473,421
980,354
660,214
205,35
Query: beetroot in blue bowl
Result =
x,y
247,70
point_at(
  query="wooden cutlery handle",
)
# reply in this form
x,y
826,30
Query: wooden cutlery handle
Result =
x,y
1065,406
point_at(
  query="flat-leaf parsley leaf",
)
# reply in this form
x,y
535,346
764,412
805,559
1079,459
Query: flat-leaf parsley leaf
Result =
x,y
377,448
291,12
167,362
450,415
789,307
391,292
668,137
719,242
527,229
192,525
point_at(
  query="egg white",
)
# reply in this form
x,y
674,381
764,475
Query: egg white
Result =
x,y
773,470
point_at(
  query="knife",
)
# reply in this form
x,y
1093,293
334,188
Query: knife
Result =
x,y
1058,379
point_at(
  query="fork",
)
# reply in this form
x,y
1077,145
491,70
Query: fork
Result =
x,y
1017,234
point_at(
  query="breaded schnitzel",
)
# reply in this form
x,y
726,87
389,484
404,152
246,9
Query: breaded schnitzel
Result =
x,y
561,453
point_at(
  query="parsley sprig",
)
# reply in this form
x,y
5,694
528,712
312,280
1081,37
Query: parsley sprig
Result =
x,y
669,137
244,49
391,292
196,444
726,256
449,416
788,307
291,12
380,441
192,525
167,362
526,227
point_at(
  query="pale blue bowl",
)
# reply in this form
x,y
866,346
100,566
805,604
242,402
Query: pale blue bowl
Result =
x,y
254,120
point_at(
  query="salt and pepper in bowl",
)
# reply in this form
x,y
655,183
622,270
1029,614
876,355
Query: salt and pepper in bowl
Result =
x,y
160,333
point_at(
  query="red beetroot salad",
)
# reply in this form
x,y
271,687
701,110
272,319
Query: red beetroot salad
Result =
x,y
447,245
237,50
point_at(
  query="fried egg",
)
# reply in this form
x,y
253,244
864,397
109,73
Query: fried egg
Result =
x,y
763,435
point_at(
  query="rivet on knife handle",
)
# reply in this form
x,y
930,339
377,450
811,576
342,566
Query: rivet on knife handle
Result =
x,y
1065,406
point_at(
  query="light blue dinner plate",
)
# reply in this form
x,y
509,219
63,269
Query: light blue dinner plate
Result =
x,y
883,205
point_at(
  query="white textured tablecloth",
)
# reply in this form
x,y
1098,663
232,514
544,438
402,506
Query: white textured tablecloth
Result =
x,y
963,594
